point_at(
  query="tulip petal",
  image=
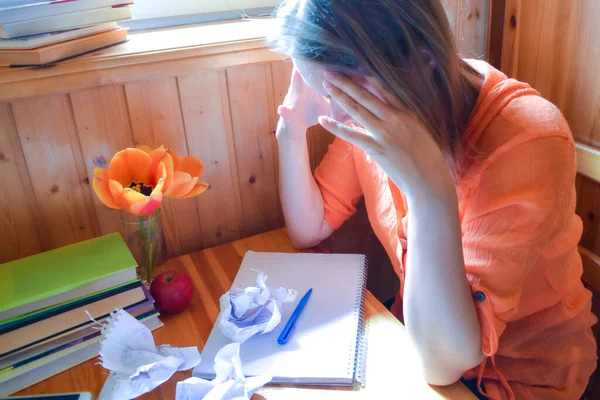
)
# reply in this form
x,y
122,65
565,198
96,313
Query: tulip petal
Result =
x,y
196,190
130,165
117,192
191,165
145,148
132,196
159,156
100,185
149,205
174,157
182,184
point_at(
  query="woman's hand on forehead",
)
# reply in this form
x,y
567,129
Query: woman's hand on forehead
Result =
x,y
392,135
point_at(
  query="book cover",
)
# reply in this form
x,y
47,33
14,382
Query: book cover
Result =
x,y
35,316
57,271
42,9
63,22
60,323
62,51
46,39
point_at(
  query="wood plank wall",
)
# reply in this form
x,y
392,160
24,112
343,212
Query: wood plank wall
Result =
x,y
554,45
50,145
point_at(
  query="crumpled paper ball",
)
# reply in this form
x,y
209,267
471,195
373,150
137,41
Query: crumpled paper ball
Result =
x,y
136,365
229,383
252,311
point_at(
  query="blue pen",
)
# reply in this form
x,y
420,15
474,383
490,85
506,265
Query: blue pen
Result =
x,y
289,327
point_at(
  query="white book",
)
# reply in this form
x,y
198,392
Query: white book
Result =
x,y
46,39
27,12
12,3
63,22
327,346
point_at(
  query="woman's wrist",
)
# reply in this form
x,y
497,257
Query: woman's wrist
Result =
x,y
289,133
438,201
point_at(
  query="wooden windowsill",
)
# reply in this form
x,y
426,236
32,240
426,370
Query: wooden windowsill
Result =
x,y
149,53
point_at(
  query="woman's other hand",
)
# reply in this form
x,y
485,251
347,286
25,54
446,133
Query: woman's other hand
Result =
x,y
300,110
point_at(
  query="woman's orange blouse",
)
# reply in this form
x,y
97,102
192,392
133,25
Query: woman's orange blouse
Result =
x,y
519,232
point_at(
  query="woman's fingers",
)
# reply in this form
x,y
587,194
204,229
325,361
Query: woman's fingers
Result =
x,y
389,97
357,137
359,94
356,110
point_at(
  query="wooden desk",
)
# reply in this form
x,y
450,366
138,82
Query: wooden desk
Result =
x,y
392,371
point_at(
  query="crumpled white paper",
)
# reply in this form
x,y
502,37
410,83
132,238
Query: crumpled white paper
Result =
x,y
251,311
229,383
137,366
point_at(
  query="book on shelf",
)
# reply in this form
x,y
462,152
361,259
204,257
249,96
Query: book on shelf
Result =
x,y
65,21
45,39
42,9
62,51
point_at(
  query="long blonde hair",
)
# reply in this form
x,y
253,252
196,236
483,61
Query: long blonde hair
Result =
x,y
395,41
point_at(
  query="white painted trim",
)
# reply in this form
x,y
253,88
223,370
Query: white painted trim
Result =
x,y
588,161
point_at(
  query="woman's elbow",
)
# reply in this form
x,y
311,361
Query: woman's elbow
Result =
x,y
444,373
442,377
306,240
300,241
303,243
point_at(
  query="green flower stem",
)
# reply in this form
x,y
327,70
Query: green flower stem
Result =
x,y
148,228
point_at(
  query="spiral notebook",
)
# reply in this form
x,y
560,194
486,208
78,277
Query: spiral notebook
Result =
x,y
327,346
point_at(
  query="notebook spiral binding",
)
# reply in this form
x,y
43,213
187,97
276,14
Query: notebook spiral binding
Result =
x,y
360,356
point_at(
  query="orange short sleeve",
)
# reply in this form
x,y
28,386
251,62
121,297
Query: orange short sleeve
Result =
x,y
522,201
337,179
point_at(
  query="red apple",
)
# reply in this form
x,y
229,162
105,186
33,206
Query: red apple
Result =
x,y
172,291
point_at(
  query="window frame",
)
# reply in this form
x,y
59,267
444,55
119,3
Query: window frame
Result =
x,y
148,14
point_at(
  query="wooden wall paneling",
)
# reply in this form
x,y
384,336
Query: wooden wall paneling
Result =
x,y
206,114
156,119
102,123
18,227
579,98
553,46
588,208
469,20
56,169
495,32
281,74
254,147
272,104
511,32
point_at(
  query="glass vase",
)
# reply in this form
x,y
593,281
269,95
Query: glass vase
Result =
x,y
146,240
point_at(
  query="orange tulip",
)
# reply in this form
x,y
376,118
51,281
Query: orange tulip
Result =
x,y
135,181
186,173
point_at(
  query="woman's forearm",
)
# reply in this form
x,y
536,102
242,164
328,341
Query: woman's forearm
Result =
x,y
301,198
439,311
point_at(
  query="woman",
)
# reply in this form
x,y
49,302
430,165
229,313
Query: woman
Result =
x,y
468,180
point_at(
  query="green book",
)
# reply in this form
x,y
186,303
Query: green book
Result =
x,y
64,274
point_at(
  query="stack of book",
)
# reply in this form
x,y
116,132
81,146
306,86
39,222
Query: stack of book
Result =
x,y
47,302
37,32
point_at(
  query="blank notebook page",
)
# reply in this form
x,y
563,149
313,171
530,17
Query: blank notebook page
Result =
x,y
322,349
